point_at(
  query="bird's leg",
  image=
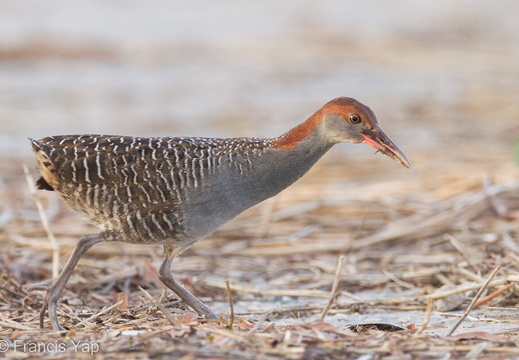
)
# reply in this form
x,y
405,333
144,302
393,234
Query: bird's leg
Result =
x,y
54,292
166,276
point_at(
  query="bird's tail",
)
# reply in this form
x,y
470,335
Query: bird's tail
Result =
x,y
44,163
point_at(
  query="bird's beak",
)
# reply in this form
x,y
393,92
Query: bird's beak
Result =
x,y
377,139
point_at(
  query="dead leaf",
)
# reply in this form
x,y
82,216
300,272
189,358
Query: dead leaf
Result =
x,y
375,327
121,296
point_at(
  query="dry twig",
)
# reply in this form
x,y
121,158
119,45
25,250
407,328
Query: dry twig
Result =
x,y
162,309
428,311
334,288
231,305
461,249
102,312
394,278
271,292
471,306
492,296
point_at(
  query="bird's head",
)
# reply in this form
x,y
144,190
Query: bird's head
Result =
x,y
346,120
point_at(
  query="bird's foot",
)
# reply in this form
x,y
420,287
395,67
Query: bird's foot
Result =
x,y
53,315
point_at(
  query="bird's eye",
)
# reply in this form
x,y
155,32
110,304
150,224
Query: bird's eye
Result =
x,y
354,119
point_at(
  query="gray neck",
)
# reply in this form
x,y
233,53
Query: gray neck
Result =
x,y
266,175
284,167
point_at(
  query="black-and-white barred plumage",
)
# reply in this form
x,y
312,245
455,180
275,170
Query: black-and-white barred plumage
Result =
x,y
135,187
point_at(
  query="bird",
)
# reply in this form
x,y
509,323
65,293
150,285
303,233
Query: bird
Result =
x,y
174,191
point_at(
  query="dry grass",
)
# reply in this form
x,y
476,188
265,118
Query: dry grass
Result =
x,y
408,238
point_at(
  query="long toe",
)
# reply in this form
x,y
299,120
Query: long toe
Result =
x,y
210,315
53,316
42,314
202,309
42,318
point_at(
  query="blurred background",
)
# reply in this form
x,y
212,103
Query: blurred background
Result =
x,y
441,76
